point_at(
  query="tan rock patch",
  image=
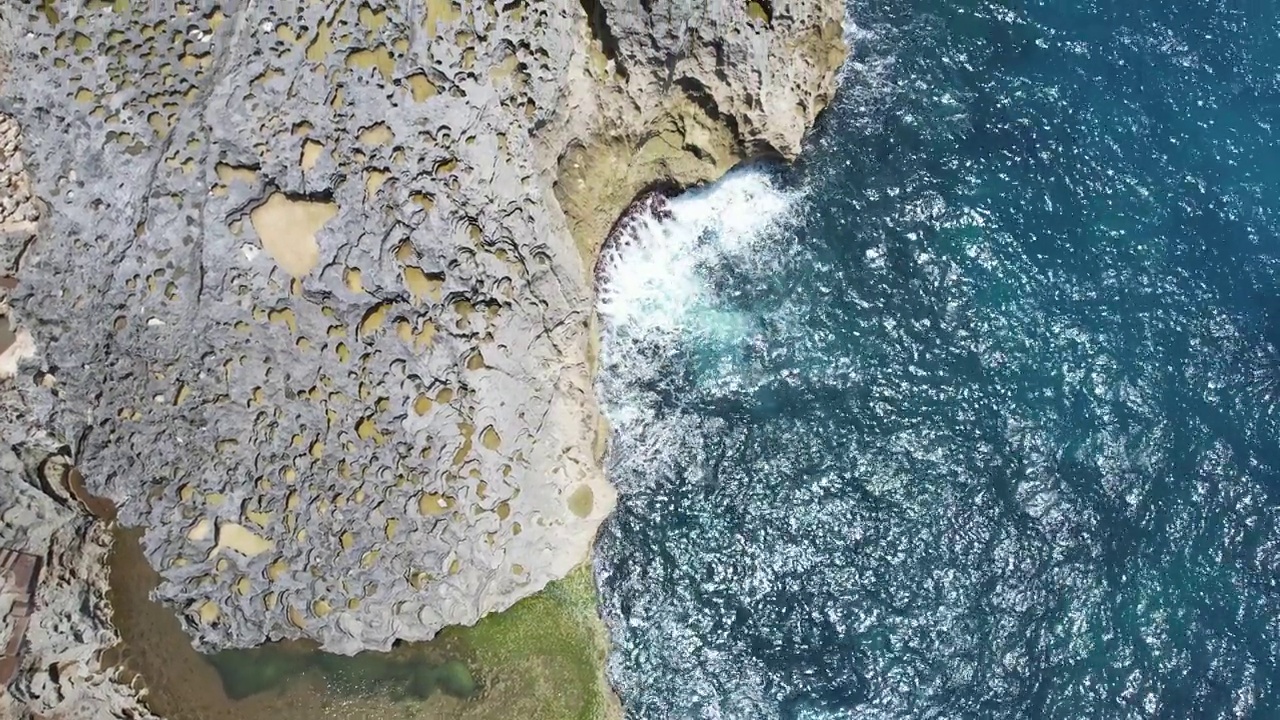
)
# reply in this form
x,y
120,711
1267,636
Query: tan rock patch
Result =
x,y
288,228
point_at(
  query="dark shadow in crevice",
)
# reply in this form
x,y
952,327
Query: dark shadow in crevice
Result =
x,y
598,21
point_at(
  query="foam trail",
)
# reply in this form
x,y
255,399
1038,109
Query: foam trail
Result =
x,y
659,302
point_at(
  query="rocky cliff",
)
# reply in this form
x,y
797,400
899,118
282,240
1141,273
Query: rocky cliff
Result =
x,y
312,297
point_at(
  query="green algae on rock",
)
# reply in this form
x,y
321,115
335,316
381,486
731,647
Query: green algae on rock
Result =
x,y
547,653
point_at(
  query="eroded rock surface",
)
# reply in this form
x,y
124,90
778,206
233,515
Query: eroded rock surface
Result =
x,y
686,90
306,297
61,673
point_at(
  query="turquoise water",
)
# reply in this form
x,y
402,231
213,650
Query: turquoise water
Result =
x,y
973,413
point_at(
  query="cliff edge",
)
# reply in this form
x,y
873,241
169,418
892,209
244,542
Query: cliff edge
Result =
x,y
311,294
684,91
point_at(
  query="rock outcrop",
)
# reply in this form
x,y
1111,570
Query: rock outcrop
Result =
x,y
307,296
683,91
58,667
59,670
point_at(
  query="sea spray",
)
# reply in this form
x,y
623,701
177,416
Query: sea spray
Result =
x,y
662,309
658,280
660,298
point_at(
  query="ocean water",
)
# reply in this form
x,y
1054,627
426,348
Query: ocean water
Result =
x,y
972,413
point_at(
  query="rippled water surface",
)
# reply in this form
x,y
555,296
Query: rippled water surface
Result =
x,y
973,414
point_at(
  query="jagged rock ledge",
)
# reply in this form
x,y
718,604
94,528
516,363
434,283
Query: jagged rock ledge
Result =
x,y
678,98
650,204
312,294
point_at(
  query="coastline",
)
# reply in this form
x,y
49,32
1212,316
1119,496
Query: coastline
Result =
x,y
537,660
691,149
622,128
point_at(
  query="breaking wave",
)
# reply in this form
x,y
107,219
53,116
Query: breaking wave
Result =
x,y
663,295
673,322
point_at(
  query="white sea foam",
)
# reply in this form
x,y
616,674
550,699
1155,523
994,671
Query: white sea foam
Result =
x,y
659,298
667,309
659,287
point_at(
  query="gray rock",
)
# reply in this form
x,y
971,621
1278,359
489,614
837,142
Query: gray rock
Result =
x,y
306,296
60,674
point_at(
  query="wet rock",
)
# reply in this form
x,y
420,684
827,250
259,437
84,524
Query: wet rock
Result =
x,y
652,204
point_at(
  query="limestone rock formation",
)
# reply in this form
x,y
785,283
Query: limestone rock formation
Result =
x,y
762,69
306,297
59,671
684,90
306,316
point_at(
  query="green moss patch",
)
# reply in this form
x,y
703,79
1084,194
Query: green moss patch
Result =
x,y
543,658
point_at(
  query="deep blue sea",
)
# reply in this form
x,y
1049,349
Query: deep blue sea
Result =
x,y
973,413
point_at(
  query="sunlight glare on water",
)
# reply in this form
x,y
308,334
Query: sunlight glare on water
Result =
x,y
972,413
